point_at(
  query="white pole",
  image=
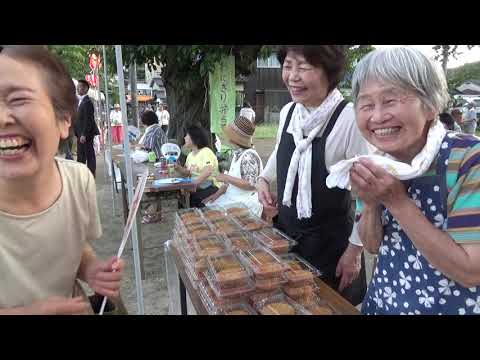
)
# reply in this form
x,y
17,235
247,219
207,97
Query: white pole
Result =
x,y
109,128
128,166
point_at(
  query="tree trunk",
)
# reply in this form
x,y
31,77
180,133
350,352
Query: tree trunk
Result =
x,y
132,71
445,54
186,109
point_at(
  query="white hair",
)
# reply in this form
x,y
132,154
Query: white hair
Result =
x,y
407,68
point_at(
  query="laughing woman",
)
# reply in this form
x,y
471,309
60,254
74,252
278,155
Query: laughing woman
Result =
x,y
48,205
426,230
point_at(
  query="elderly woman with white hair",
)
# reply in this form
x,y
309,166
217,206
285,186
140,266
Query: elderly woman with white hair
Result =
x,y
426,228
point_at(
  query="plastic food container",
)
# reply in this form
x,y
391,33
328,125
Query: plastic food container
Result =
x,y
197,231
213,213
212,303
227,271
275,240
263,262
233,293
316,306
270,284
188,216
239,241
296,292
299,271
237,209
224,226
250,222
238,309
208,246
279,305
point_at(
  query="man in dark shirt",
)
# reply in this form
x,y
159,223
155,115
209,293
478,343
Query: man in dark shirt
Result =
x,y
85,127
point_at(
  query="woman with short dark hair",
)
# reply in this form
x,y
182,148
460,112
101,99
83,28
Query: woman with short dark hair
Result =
x,y
48,205
201,165
316,130
154,137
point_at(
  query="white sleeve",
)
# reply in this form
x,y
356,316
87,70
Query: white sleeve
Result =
x,y
270,170
354,236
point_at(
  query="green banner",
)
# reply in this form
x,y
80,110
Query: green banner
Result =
x,y
222,94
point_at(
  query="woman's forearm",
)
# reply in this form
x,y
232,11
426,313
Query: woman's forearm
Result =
x,y
88,256
370,229
239,182
459,263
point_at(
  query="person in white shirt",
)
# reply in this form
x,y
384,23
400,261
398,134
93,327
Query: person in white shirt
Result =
x,y
316,130
470,120
163,117
116,124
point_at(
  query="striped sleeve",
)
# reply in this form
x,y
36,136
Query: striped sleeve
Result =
x,y
464,196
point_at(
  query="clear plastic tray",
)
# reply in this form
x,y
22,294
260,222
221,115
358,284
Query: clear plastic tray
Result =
x,y
208,246
213,213
279,305
316,306
270,284
275,240
297,292
238,309
197,231
240,241
237,209
224,226
299,271
210,300
250,223
233,294
263,262
188,216
228,271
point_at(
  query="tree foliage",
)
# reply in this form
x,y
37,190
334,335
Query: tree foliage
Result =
x,y
458,76
445,52
75,58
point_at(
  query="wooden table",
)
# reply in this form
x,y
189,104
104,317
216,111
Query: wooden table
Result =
x,y
338,303
180,191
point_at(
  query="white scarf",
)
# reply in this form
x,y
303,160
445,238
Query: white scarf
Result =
x,y
340,172
310,124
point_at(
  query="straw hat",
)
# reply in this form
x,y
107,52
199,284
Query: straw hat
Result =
x,y
240,132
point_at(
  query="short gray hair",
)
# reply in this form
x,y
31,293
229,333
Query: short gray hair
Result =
x,y
407,68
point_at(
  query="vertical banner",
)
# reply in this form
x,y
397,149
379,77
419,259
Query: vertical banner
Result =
x,y
222,94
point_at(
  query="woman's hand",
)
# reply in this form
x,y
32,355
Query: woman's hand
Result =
x,y
266,198
375,186
102,279
349,266
212,197
222,178
57,305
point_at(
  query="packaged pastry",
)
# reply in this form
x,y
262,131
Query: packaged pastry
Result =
x,y
241,308
264,263
237,209
316,306
250,223
208,246
227,270
279,305
209,300
240,241
224,226
212,213
275,240
299,271
199,230
188,216
232,293
296,292
270,284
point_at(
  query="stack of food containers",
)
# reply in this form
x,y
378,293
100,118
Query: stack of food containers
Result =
x,y
274,240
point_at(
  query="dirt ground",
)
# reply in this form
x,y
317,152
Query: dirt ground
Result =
x,y
154,236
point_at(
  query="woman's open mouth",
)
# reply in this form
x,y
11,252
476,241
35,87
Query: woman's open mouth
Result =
x,y
386,132
14,146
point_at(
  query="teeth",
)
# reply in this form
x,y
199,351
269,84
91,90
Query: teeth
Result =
x,y
9,152
387,131
13,142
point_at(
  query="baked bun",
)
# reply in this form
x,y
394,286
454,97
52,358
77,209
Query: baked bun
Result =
x,y
277,308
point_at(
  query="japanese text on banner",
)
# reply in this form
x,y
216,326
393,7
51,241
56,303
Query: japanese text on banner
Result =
x,y
222,94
